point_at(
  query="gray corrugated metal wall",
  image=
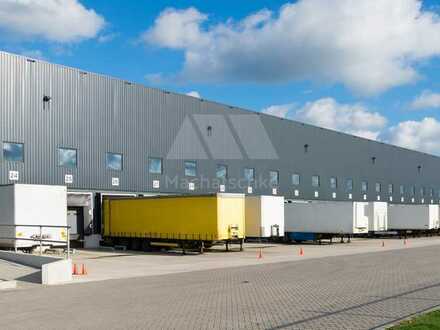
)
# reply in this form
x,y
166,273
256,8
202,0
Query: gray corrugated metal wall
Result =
x,y
96,114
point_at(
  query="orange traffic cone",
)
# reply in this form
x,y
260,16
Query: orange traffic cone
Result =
x,y
383,244
301,251
83,270
74,269
260,254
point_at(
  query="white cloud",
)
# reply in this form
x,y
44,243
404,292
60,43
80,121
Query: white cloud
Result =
x,y
367,45
357,119
281,110
33,53
426,100
349,118
104,38
177,29
194,94
421,135
61,21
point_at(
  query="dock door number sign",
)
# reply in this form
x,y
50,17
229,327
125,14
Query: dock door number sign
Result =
x,y
13,175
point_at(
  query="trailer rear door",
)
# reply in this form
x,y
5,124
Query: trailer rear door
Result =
x,y
361,216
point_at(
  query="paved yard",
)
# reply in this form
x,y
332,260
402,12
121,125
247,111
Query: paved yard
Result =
x,y
362,291
103,265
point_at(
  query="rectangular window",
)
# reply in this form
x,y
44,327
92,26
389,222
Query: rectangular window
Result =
x,y
190,168
222,172
378,187
390,188
296,179
315,181
402,189
274,178
438,193
431,192
13,152
333,183
249,174
155,165
114,161
412,190
422,191
349,185
67,157
364,186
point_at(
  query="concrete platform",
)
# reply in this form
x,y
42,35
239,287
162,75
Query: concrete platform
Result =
x,y
24,276
105,265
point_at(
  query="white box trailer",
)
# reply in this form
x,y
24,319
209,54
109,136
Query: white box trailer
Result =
x,y
40,205
413,217
264,216
326,217
377,213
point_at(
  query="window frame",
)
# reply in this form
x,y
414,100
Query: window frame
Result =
x,y
226,171
67,149
107,154
402,189
364,184
16,144
277,177
334,180
150,159
185,162
390,191
296,175
349,180
318,182
378,187
253,174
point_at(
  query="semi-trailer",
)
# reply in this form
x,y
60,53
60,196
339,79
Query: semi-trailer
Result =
x,y
264,217
29,213
187,222
413,218
317,220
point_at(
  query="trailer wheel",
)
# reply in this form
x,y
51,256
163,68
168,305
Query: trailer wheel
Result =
x,y
146,246
135,244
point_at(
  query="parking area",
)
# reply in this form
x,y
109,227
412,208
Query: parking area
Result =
x,y
105,265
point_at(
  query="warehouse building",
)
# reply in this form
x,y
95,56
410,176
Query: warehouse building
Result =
x,y
99,135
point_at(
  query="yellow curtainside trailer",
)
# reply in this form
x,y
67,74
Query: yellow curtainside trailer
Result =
x,y
187,222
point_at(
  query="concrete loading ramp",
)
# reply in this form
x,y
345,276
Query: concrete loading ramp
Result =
x,y
53,270
13,275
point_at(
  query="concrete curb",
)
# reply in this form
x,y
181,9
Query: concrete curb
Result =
x,y
8,285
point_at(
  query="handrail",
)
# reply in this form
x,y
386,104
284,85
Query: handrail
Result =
x,y
40,239
45,226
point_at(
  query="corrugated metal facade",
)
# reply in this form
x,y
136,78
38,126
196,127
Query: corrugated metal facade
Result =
x,y
96,114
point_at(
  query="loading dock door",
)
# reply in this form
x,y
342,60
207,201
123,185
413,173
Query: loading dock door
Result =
x,y
75,219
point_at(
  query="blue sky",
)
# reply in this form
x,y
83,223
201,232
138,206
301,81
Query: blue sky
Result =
x,y
366,67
